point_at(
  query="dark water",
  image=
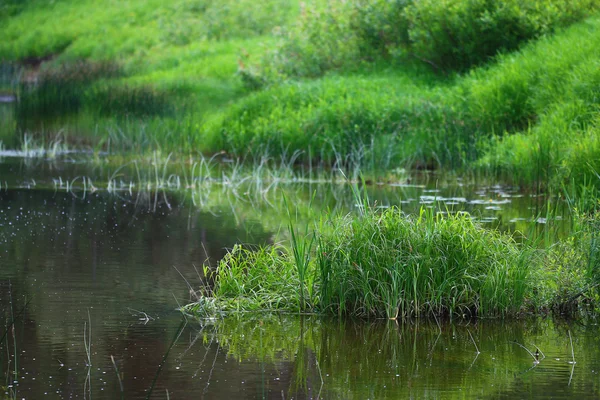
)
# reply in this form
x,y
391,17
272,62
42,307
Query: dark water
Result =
x,y
110,269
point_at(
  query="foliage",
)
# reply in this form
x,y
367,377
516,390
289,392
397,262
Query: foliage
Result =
x,y
457,35
391,264
448,35
185,84
383,265
321,40
532,115
568,281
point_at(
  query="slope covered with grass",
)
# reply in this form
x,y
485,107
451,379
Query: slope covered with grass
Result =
x,y
187,47
334,83
531,115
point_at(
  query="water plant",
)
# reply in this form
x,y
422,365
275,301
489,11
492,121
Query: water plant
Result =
x,y
394,265
383,264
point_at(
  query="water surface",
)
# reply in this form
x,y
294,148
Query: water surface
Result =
x,y
117,264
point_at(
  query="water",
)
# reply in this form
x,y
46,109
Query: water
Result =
x,y
117,264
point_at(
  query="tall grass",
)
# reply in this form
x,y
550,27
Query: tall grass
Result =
x,y
546,97
395,265
384,265
302,249
381,122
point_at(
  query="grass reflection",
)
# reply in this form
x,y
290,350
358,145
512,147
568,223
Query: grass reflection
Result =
x,y
383,359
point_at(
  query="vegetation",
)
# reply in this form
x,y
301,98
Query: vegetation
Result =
x,y
476,85
388,264
447,35
568,283
381,265
370,84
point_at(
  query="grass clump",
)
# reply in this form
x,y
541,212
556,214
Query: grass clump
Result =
x,y
256,279
386,264
396,265
382,265
569,281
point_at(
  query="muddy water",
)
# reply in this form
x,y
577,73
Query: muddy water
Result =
x,y
95,276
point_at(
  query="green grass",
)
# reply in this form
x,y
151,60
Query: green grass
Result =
x,y
382,265
530,116
392,264
193,76
546,97
360,118
187,51
386,264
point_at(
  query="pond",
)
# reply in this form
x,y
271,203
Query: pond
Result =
x,y
95,260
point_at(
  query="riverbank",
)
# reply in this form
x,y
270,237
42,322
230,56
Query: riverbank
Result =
x,y
315,87
220,80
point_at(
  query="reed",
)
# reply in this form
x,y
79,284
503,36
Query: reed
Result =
x,y
112,359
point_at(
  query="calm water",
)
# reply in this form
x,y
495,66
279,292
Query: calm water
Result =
x,y
117,265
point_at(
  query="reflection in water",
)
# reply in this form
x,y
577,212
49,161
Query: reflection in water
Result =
x,y
64,254
274,356
111,257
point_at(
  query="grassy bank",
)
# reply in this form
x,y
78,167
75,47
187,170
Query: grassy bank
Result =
x,y
529,116
182,57
337,83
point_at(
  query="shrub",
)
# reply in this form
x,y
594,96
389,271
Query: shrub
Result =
x,y
9,8
449,35
456,35
224,19
321,40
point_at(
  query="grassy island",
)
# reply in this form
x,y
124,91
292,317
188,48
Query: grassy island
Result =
x,y
385,264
